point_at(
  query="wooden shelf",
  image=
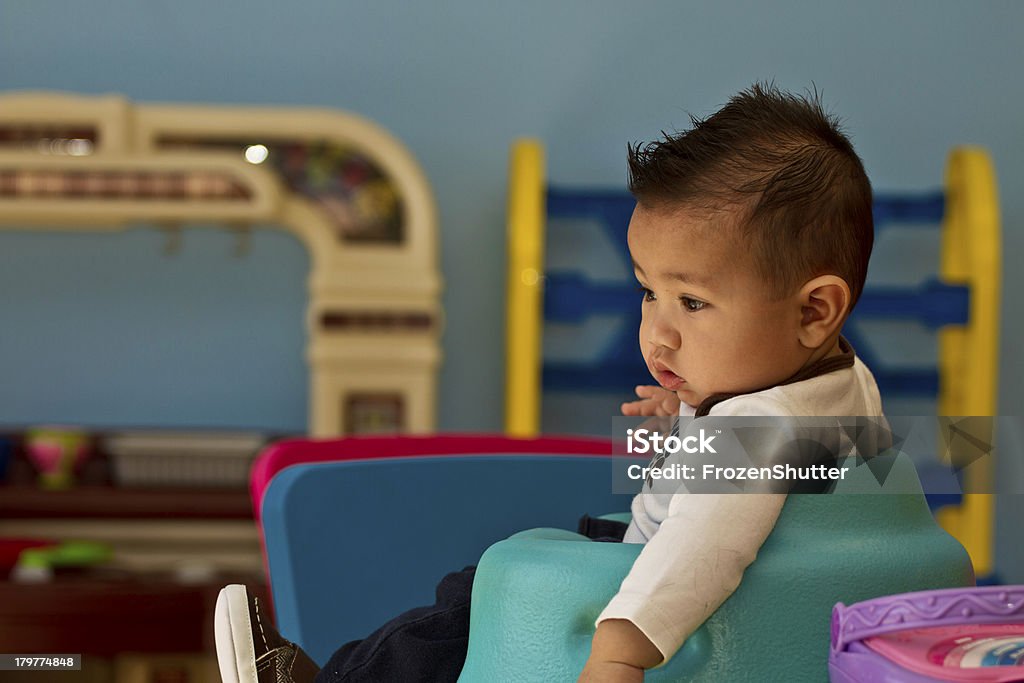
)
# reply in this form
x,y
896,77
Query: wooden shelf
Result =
x,y
108,616
111,502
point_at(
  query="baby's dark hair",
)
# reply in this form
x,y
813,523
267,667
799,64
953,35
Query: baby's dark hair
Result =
x,y
802,198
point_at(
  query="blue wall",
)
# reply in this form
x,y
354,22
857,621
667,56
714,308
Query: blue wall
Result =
x,y
456,81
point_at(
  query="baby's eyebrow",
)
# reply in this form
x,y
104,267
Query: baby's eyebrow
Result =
x,y
697,280
690,279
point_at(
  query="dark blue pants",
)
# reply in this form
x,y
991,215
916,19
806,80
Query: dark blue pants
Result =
x,y
428,643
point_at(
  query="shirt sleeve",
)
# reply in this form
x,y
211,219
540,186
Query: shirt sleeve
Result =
x,y
693,562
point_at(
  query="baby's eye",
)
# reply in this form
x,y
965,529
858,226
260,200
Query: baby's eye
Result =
x,y
692,305
648,294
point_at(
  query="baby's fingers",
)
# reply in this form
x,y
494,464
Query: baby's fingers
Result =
x,y
647,390
647,406
633,407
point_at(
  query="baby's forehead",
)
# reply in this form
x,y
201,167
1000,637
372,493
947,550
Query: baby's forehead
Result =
x,y
685,230
692,220
705,246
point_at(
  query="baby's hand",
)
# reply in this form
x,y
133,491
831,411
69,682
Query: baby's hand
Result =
x,y
619,653
610,672
653,401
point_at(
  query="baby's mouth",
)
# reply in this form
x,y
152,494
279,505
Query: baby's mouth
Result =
x,y
666,378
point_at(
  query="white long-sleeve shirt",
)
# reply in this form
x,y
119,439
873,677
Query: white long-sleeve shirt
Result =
x,y
697,546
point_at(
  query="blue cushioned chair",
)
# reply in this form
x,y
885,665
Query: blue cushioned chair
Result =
x,y
536,595
351,544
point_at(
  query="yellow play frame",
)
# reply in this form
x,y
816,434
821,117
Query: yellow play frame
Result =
x,y
969,355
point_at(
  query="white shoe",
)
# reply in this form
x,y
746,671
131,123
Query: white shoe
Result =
x,y
249,648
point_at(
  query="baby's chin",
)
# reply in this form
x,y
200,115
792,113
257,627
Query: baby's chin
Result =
x,y
690,398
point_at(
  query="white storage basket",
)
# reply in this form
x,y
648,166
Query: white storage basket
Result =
x,y
183,458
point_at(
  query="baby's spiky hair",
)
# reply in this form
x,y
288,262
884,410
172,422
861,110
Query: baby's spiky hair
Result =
x,y
783,165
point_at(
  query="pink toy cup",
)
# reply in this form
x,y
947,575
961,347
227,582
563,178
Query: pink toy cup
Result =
x,y
57,453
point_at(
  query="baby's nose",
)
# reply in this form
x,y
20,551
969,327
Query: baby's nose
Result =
x,y
665,334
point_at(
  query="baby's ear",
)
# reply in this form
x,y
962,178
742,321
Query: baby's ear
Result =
x,y
824,303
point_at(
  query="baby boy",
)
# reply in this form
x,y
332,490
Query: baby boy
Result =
x,y
750,241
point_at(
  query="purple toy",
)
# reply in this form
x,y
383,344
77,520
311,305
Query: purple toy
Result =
x,y
957,634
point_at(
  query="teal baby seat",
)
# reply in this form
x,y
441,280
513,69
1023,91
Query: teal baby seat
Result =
x,y
536,594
